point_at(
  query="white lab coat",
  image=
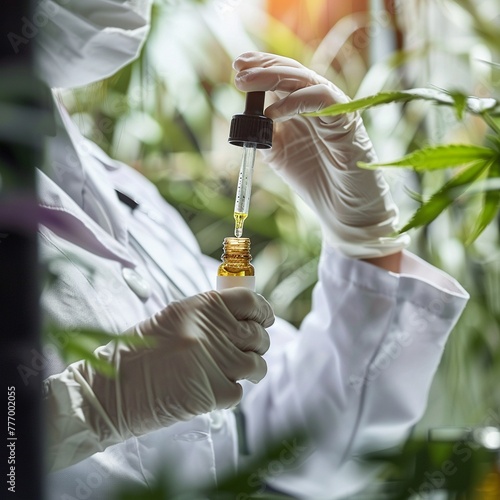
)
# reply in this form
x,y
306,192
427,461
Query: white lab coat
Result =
x,y
355,376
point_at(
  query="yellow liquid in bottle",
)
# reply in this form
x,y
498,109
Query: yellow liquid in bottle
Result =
x,y
239,220
236,269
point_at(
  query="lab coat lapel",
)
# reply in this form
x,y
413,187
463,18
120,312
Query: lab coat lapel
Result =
x,y
75,190
66,219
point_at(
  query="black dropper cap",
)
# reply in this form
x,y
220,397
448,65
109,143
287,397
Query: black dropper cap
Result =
x,y
252,126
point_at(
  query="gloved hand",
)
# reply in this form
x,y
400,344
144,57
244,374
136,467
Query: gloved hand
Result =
x,y
196,351
318,156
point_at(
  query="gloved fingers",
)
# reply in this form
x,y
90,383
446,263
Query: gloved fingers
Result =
x,y
247,305
215,390
250,336
308,99
250,366
228,396
276,78
263,71
254,59
238,365
307,90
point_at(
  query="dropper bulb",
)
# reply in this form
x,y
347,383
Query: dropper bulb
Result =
x,y
254,103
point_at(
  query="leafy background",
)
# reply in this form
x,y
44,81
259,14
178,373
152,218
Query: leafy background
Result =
x,y
168,115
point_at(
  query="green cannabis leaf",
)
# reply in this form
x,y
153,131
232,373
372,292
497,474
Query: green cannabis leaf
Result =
x,y
490,193
475,161
439,157
461,102
442,198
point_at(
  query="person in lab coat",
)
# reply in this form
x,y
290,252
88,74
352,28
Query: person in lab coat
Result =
x,y
355,377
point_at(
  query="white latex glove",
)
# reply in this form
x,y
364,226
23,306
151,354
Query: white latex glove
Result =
x,y
318,157
200,347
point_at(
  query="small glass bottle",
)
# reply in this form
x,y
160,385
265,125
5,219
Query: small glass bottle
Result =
x,y
236,269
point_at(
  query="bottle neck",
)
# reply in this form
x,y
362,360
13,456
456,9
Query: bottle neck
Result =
x,y
237,251
235,269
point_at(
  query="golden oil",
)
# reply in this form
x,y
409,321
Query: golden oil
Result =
x,y
239,220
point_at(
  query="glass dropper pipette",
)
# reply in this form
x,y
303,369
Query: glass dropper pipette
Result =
x,y
244,189
250,130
